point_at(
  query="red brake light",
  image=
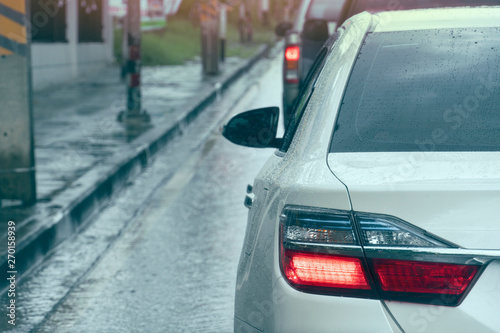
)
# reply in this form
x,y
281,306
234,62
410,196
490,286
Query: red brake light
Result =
x,y
292,53
423,277
320,270
291,64
320,252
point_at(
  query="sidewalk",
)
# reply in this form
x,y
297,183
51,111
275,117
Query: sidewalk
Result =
x,y
83,155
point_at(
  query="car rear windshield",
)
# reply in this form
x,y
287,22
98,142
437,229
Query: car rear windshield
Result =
x,y
428,90
328,10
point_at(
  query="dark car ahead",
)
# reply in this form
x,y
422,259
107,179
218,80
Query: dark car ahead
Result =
x,y
316,20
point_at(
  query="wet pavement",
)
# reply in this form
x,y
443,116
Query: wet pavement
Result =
x,y
76,126
162,255
83,155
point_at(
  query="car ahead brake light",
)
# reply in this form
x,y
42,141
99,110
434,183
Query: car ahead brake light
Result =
x,y
291,68
292,53
323,251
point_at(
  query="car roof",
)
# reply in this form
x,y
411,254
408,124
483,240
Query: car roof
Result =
x,y
434,18
353,7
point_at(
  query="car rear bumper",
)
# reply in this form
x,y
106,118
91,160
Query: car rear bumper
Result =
x,y
298,312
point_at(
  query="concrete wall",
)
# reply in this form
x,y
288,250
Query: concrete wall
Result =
x,y
54,63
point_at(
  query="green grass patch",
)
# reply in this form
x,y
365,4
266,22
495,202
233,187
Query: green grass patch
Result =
x,y
181,41
154,23
173,46
260,36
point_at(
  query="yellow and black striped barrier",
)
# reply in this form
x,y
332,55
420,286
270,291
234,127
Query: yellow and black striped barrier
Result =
x,y
13,36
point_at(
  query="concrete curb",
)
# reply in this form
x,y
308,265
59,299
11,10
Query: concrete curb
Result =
x,y
70,209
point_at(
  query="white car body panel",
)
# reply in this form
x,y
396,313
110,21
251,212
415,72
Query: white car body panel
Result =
x,y
454,195
300,312
443,193
259,264
445,18
477,313
302,177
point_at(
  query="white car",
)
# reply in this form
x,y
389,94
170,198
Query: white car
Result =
x,y
380,209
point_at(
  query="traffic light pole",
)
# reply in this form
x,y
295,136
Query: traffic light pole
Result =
x,y
17,162
133,115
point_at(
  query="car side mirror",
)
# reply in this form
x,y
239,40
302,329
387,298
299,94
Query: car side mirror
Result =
x,y
282,28
255,128
316,30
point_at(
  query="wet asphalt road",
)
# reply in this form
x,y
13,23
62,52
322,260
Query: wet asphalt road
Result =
x,y
162,256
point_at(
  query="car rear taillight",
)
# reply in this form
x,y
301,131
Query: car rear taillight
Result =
x,y
423,277
354,254
320,270
292,53
291,65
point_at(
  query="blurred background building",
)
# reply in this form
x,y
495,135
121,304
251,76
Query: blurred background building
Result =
x,y
149,8
69,38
